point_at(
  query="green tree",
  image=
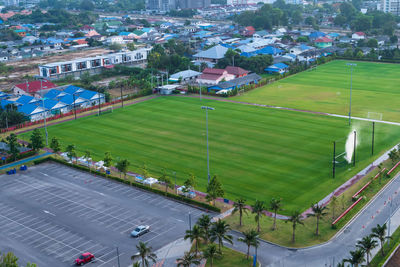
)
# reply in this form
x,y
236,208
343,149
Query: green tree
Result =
x,y
219,232
318,211
88,158
122,167
214,190
71,152
240,206
8,260
55,145
188,260
37,140
13,145
131,46
356,259
195,235
145,253
166,179
250,238
115,47
145,171
275,205
107,159
204,222
258,209
211,252
372,43
334,201
295,219
190,183
367,244
379,232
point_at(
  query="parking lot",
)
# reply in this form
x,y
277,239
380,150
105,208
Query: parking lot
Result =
x,y
51,213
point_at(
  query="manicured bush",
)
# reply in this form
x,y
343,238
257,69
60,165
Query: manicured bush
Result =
x,y
135,184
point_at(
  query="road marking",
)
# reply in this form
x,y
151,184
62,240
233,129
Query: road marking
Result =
x,y
178,220
48,212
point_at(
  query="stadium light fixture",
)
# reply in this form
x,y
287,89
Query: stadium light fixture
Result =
x,y
352,65
208,153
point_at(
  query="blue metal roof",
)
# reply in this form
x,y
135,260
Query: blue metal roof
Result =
x,y
28,109
86,94
268,50
317,34
281,65
25,99
72,89
5,102
53,93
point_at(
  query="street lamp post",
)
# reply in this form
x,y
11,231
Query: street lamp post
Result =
x,y
174,173
208,151
200,82
352,65
118,257
45,117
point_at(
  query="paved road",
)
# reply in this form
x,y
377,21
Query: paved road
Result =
x,y
331,253
51,213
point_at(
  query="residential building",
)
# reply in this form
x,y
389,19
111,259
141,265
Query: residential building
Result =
x,y
192,4
160,5
186,76
323,42
237,83
280,68
214,76
32,88
211,55
238,72
93,65
358,36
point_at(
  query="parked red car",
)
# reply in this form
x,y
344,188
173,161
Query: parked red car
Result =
x,y
84,258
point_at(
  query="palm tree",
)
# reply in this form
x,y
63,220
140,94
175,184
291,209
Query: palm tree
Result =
x,y
367,244
250,239
219,231
240,205
295,219
211,252
357,258
187,260
318,211
145,253
205,223
379,232
196,234
258,209
275,204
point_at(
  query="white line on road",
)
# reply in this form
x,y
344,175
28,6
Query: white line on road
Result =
x,y
48,212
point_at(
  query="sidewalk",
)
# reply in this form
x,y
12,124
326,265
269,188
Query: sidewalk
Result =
x,y
167,255
22,161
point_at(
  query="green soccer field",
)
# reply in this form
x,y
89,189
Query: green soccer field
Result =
x,y
258,153
376,89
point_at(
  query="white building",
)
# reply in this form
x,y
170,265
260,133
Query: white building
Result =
x,y
390,6
116,39
93,64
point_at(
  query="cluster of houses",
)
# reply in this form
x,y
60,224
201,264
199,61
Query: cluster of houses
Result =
x,y
43,99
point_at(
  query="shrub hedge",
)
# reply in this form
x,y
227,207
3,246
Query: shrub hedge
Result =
x,y
138,185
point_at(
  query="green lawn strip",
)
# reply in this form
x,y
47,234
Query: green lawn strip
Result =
x,y
305,234
258,153
379,260
375,87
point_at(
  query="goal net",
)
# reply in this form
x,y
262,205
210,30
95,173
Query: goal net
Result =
x,y
106,110
375,116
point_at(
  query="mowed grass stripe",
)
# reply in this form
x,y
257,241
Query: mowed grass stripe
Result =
x,y
258,153
376,88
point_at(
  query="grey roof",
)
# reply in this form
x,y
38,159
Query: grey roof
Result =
x,y
185,74
239,81
216,52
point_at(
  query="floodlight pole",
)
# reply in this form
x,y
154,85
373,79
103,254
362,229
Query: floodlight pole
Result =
x,y
45,117
100,103
118,257
73,95
334,159
351,86
200,81
355,144
174,173
122,99
208,151
373,137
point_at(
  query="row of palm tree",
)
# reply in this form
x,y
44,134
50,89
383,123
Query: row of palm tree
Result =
x,y
366,245
257,208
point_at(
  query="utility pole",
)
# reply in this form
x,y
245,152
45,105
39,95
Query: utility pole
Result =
x,y
355,144
44,109
73,95
118,257
200,82
373,137
334,159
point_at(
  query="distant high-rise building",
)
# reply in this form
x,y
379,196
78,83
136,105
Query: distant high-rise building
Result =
x,y
11,2
192,4
237,2
391,6
160,5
